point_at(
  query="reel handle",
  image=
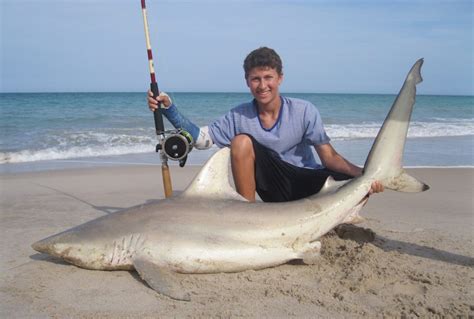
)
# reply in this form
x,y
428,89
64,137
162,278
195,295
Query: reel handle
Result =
x,y
167,187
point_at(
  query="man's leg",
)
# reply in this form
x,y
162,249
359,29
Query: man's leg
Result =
x,y
243,166
257,168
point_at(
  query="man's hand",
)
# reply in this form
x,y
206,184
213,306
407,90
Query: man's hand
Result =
x,y
376,187
162,98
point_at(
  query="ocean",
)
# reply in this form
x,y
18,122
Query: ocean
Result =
x,y
44,131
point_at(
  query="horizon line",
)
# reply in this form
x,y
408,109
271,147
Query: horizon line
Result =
x,y
222,92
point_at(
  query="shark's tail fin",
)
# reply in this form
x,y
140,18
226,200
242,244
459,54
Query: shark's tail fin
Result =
x,y
384,162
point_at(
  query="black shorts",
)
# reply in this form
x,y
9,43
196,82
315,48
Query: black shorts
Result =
x,y
279,181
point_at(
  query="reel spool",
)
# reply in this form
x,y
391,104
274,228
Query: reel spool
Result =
x,y
177,146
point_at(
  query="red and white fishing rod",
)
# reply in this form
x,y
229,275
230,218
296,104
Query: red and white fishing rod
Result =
x,y
159,126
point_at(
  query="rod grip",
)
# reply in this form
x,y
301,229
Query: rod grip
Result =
x,y
158,115
165,172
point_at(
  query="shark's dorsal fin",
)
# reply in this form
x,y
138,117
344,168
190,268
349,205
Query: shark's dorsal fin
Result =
x,y
213,179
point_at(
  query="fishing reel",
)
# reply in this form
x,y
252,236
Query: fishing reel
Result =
x,y
176,145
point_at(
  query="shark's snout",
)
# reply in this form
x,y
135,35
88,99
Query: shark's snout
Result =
x,y
46,246
55,244
39,246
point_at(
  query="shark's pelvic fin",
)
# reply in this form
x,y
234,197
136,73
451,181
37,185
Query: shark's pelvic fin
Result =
x,y
213,179
354,216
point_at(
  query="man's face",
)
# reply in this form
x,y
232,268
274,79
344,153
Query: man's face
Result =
x,y
264,84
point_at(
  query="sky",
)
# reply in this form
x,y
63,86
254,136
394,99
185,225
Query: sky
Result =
x,y
199,46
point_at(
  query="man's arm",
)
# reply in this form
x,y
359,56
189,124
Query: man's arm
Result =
x,y
201,138
335,162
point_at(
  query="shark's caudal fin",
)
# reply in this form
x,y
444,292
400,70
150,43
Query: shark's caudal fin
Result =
x,y
384,162
213,179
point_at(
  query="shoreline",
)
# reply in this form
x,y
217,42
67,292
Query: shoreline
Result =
x,y
355,153
125,165
52,166
412,255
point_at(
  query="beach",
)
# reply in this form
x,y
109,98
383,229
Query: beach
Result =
x,y
78,142
412,256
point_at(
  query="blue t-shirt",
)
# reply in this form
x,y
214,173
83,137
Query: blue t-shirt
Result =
x,y
298,128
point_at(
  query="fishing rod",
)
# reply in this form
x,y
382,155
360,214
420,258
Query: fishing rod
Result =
x,y
178,144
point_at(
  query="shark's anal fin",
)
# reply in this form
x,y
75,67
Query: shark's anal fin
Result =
x,y
161,279
405,183
311,252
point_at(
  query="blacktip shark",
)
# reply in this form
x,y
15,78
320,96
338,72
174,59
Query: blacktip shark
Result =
x,y
210,228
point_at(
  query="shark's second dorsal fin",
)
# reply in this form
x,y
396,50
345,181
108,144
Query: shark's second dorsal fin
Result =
x,y
213,179
331,185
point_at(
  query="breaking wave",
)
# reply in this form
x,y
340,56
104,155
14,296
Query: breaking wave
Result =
x,y
446,128
69,145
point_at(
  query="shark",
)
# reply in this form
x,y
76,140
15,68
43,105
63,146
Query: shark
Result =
x,y
210,228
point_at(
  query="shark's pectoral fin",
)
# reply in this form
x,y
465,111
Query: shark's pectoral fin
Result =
x,y
161,279
405,183
311,252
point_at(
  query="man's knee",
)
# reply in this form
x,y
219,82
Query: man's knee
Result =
x,y
242,145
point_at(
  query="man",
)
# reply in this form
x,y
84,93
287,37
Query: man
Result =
x,y
270,137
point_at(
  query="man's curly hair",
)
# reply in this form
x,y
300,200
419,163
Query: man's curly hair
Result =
x,y
263,57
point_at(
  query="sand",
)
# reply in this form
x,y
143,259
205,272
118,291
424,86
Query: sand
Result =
x,y
412,257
